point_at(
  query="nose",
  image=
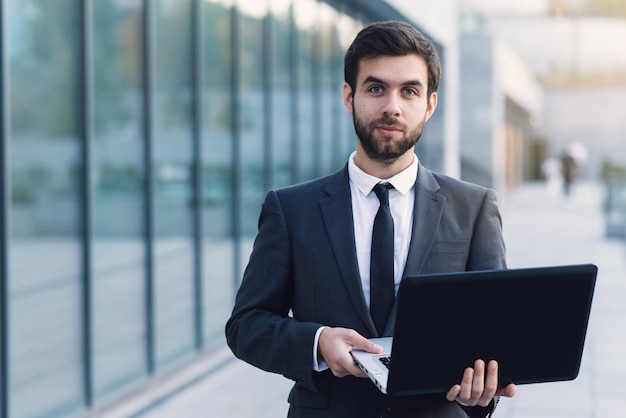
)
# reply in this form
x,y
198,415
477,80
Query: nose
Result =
x,y
391,107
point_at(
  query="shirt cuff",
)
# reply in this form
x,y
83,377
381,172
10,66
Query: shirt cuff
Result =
x,y
479,411
318,365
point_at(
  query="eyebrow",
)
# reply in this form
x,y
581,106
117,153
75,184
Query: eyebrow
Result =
x,y
372,79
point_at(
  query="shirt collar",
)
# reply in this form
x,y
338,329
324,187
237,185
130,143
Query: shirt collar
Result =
x,y
402,182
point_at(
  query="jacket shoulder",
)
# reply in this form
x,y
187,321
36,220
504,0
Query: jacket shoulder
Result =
x,y
451,183
459,190
314,188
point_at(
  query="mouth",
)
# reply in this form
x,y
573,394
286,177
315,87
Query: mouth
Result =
x,y
389,130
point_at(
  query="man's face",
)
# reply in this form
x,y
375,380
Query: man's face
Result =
x,y
389,106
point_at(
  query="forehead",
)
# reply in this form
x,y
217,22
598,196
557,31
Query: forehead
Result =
x,y
394,69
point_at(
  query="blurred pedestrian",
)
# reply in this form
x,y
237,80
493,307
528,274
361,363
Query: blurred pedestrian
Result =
x,y
568,171
551,170
573,159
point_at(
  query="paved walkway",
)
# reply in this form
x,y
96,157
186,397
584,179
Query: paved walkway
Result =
x,y
541,228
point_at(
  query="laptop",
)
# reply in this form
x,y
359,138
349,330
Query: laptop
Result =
x,y
533,321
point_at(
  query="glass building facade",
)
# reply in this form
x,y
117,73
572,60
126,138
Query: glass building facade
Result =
x,y
137,141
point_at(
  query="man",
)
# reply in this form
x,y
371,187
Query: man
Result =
x,y
304,302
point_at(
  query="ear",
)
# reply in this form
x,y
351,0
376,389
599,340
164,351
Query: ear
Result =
x,y
432,105
348,98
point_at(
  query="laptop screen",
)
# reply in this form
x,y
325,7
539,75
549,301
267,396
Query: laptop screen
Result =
x,y
533,321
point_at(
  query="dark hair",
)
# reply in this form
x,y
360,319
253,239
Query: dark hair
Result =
x,y
391,38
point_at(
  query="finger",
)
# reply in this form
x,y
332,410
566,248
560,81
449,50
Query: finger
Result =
x,y
490,384
466,385
373,348
507,391
478,382
453,392
359,342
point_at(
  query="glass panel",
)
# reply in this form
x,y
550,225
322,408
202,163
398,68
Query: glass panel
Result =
x,y
347,29
252,115
118,248
45,211
330,90
173,258
218,159
305,12
281,93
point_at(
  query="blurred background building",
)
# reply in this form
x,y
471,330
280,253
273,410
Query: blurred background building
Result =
x,y
139,137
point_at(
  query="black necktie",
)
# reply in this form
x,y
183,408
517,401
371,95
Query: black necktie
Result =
x,y
381,269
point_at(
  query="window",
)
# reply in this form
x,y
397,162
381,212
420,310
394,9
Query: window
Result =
x,y
45,339
173,182
118,271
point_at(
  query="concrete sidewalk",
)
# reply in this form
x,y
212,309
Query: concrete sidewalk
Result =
x,y
541,228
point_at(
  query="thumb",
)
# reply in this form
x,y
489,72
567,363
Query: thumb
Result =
x,y
364,344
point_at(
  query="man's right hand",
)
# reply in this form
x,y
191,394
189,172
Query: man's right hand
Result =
x,y
334,347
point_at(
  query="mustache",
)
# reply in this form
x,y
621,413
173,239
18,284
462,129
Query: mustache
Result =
x,y
387,120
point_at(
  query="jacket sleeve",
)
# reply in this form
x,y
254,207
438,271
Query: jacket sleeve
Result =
x,y
260,330
487,250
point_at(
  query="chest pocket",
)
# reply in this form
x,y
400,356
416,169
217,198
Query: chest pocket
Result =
x,y
447,256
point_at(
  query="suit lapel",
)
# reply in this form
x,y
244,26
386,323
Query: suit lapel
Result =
x,y
337,213
427,211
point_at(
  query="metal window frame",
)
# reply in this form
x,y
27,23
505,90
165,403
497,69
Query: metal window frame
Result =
x,y
237,165
294,96
4,223
87,135
267,68
338,157
148,158
198,48
316,97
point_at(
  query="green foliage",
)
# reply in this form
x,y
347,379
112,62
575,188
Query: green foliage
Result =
x,y
612,170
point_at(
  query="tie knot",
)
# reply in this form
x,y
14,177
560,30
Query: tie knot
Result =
x,y
382,191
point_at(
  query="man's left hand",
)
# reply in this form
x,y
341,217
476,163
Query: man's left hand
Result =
x,y
478,388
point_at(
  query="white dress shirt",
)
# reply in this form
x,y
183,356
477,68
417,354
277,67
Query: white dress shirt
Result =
x,y
365,204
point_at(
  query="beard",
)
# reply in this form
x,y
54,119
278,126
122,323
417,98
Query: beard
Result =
x,y
385,150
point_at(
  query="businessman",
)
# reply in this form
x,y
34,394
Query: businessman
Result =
x,y
330,253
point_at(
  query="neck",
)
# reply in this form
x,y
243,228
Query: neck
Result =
x,y
382,169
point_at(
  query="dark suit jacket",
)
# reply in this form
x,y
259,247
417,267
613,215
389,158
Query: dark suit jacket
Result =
x,y
303,274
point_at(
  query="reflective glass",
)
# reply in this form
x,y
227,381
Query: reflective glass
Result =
x,y
306,40
347,29
330,90
45,336
252,115
172,165
3,202
305,13
118,273
281,97
218,248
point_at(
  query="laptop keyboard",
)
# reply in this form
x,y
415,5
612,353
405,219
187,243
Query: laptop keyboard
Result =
x,y
385,361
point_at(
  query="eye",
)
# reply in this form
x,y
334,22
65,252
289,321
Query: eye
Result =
x,y
410,92
376,89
